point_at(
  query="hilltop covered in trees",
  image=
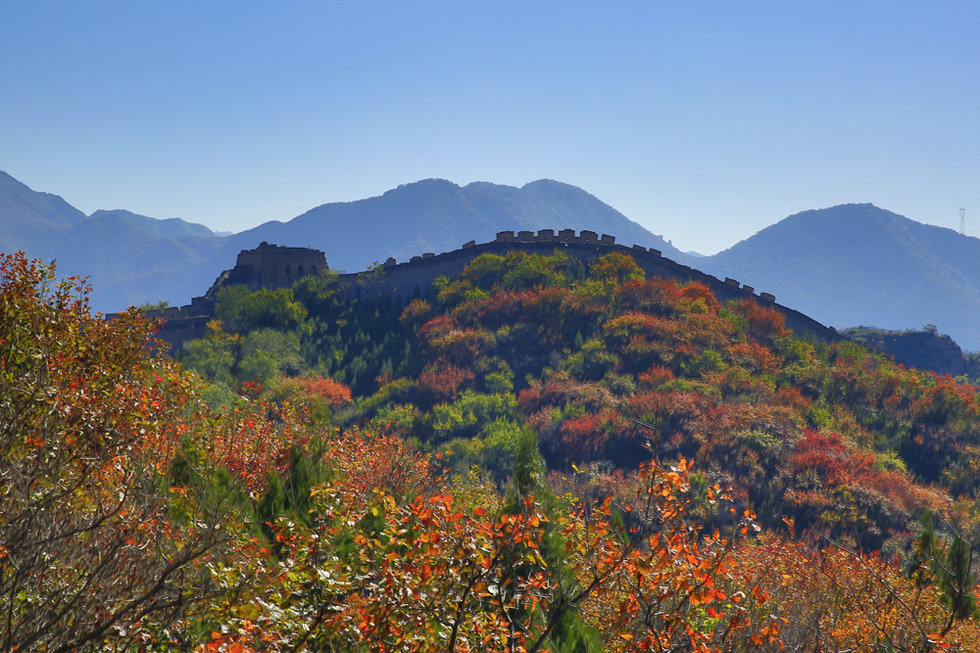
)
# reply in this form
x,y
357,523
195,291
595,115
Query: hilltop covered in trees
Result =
x,y
604,365
538,455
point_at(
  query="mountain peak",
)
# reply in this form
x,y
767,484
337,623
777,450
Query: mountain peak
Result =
x,y
437,215
852,209
20,202
550,183
861,264
425,185
31,220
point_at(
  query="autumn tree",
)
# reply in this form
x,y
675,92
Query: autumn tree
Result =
x,y
90,551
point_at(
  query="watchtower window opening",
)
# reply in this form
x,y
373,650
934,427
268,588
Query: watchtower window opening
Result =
x,y
313,270
299,270
289,270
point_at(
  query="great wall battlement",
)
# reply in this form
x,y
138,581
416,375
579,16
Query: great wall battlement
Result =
x,y
285,265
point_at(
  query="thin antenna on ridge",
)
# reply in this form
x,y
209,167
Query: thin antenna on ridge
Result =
x,y
962,220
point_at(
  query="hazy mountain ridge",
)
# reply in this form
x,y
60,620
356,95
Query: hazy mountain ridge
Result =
x,y
131,258
860,264
844,265
161,228
435,215
128,258
27,217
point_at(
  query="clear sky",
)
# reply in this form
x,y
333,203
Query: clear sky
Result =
x,y
703,121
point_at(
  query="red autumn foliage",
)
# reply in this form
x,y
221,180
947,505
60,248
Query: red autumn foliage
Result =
x,y
437,327
828,456
622,328
764,323
754,357
584,437
332,392
654,377
560,390
415,313
443,382
695,291
791,397
501,307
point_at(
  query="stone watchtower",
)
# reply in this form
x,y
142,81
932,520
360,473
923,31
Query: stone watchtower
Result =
x,y
275,266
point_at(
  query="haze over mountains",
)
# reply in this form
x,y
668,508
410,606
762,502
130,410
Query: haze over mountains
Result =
x,y
435,215
859,264
132,259
844,266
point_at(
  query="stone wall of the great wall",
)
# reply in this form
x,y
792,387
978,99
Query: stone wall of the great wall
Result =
x,y
407,278
418,273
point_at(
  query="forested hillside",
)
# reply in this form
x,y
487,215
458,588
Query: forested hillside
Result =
x,y
604,366
538,455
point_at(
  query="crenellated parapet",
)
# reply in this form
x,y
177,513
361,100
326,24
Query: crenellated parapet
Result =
x,y
420,270
565,236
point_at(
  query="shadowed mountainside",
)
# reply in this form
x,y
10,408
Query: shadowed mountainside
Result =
x,y
925,349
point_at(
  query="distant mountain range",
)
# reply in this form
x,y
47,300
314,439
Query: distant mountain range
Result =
x,y
436,215
133,259
847,265
857,264
129,258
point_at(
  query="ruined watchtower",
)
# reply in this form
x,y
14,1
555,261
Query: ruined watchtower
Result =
x,y
274,266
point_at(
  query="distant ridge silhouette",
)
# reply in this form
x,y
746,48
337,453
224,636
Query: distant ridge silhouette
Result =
x,y
845,265
132,259
859,264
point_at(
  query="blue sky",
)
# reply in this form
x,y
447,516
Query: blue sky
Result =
x,y
702,121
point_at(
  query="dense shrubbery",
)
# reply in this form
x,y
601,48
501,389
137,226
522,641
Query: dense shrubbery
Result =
x,y
603,364
143,510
